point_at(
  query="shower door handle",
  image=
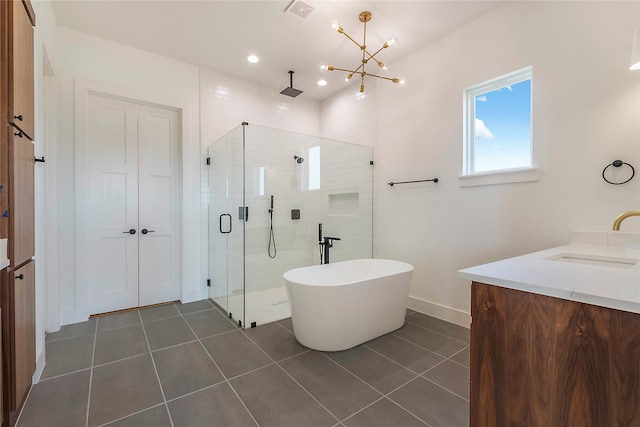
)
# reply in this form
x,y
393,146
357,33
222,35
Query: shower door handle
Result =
x,y
228,228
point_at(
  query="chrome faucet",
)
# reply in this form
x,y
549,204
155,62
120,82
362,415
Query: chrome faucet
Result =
x,y
622,217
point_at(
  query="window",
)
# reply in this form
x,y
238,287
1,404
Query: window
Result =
x,y
314,168
498,125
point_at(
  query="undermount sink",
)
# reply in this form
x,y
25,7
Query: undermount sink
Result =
x,y
601,261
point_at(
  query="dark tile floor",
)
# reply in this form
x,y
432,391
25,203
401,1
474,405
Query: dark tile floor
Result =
x,y
188,365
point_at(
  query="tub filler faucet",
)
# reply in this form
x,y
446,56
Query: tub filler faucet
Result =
x,y
325,243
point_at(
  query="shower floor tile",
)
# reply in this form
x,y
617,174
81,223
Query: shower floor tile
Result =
x,y
189,365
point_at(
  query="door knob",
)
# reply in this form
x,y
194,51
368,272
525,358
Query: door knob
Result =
x,y
132,231
145,231
20,276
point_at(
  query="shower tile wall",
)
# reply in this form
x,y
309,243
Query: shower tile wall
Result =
x,y
225,102
345,169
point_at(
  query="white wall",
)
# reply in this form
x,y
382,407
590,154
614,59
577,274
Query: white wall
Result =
x,y
138,75
586,113
46,243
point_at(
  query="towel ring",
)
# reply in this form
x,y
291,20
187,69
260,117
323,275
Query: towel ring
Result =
x,y
617,164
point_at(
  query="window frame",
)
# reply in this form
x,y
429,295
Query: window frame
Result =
x,y
469,96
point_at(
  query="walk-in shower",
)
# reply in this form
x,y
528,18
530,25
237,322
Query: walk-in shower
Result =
x,y
258,196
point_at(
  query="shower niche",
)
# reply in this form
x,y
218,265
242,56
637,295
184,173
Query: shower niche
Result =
x,y
268,191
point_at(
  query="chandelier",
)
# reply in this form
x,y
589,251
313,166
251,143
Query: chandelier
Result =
x,y
366,55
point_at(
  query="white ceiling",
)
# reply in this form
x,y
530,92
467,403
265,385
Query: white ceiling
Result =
x,y
219,35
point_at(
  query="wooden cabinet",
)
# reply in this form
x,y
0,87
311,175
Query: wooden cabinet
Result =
x,y
17,282
21,112
544,361
21,246
24,360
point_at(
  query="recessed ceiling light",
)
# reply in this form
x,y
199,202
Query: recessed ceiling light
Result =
x,y
253,59
322,82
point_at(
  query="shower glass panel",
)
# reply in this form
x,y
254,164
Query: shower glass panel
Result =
x,y
283,185
226,231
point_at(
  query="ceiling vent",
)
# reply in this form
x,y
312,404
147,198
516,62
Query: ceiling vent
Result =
x,y
299,9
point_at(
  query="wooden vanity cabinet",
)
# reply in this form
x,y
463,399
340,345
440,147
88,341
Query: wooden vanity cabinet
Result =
x,y
543,361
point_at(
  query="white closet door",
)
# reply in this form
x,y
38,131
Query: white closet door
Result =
x,y
160,245
113,203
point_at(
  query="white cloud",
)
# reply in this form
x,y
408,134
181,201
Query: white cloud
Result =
x,y
481,98
481,130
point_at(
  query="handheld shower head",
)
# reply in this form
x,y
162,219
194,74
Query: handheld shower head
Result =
x,y
298,159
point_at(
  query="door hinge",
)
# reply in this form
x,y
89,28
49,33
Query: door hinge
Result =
x,y
209,282
208,160
243,213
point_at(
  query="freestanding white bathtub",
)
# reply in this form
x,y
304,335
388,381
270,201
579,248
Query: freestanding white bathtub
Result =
x,y
338,306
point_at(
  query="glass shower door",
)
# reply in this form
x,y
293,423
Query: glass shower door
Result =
x,y
226,228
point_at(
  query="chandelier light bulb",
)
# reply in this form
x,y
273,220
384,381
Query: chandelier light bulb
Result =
x,y
322,82
335,26
323,67
391,41
253,59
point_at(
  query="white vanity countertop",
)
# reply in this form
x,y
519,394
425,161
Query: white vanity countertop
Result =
x,y
604,271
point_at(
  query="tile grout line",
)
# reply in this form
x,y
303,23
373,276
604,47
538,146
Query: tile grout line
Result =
x,y
393,402
422,347
226,380
93,356
352,373
436,332
387,396
290,376
401,365
444,388
23,406
420,374
155,368
131,415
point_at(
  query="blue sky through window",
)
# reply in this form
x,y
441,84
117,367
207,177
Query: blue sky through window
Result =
x,y
502,137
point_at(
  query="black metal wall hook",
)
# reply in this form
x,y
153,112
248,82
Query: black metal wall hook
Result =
x,y
617,164
41,159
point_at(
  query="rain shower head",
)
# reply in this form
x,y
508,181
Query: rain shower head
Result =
x,y
298,159
291,91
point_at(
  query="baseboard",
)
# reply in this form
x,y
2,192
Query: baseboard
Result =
x,y
194,294
71,316
439,311
39,368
